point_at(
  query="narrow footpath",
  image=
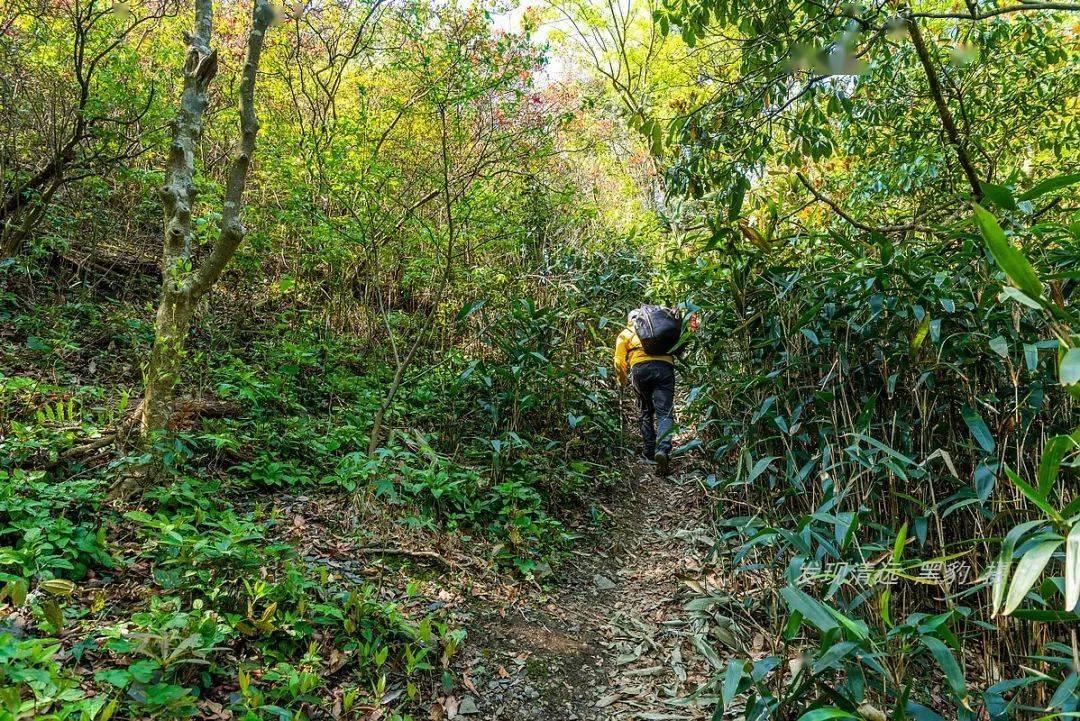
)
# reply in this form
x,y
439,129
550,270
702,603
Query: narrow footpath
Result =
x,y
626,630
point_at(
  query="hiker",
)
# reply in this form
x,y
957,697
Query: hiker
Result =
x,y
645,355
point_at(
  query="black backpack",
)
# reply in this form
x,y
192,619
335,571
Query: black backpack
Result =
x,y
658,329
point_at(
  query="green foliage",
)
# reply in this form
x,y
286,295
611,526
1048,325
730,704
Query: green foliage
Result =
x,y
852,395
443,240
33,681
49,529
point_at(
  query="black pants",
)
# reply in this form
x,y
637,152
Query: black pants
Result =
x,y
654,386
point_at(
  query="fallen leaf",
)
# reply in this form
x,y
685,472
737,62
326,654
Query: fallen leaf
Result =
x,y
605,701
603,582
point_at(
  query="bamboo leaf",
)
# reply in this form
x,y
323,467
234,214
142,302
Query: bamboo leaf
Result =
x,y
1045,615
1004,562
885,606
884,448
1069,368
1035,497
859,628
1011,260
898,545
1065,693
811,610
1050,185
945,659
1072,568
978,428
732,677
469,308
836,653
919,336
1027,572
1018,295
821,714
760,467
1053,452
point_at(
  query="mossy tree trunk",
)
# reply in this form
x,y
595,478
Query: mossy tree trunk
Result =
x,y
185,277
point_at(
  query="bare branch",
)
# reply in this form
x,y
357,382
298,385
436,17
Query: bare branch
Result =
x,y
1026,7
883,229
943,108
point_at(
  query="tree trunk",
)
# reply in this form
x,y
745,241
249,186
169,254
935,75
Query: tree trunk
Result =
x,y
178,198
184,281
17,226
170,330
402,364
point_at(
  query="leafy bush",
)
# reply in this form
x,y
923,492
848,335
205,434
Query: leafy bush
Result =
x,y
50,529
860,401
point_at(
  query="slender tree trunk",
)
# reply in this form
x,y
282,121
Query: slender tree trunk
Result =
x,y
399,373
17,227
402,364
178,198
184,280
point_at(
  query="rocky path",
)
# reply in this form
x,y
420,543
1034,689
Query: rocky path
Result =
x,y
623,631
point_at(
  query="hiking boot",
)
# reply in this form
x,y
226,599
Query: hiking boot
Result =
x,y
661,459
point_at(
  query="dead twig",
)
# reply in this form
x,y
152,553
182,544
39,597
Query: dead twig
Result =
x,y
389,551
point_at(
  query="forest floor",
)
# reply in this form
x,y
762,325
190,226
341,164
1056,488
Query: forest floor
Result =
x,y
628,627
617,632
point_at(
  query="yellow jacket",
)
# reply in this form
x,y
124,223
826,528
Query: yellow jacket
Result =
x,y
628,353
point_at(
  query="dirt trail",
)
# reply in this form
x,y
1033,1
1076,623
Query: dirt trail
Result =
x,y
618,634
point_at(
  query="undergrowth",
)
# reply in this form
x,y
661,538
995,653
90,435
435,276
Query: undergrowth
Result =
x,y
197,600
